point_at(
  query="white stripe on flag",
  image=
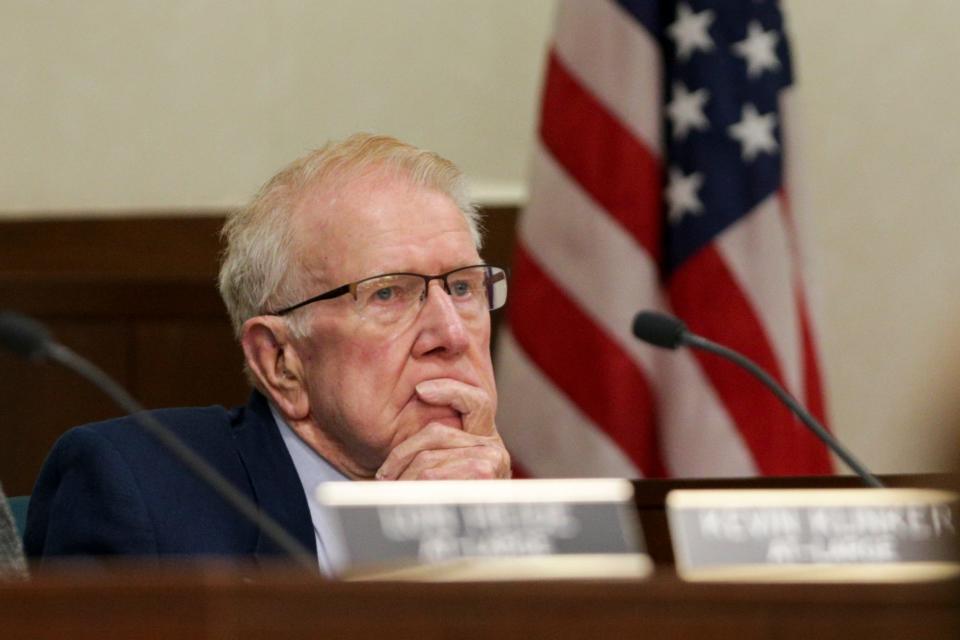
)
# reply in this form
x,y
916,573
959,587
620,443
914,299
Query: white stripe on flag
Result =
x,y
757,250
543,430
697,435
602,268
604,47
795,191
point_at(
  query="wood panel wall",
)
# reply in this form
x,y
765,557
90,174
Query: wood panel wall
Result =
x,y
137,296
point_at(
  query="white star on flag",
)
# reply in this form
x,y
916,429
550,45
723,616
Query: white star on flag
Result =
x,y
754,132
689,31
686,110
681,194
759,49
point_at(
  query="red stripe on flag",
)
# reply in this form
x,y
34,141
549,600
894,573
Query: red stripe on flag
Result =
x,y
705,294
518,471
580,359
603,156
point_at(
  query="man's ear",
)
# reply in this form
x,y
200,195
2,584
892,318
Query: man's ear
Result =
x,y
273,361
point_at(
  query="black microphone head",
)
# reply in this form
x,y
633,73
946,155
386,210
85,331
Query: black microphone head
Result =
x,y
22,335
659,329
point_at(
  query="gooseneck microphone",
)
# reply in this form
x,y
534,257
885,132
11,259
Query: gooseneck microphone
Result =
x,y
662,330
23,336
27,338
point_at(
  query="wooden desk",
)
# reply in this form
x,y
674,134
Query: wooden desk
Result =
x,y
227,602
230,601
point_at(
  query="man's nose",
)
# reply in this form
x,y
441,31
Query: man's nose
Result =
x,y
442,329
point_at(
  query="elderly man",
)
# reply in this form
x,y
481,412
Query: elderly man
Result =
x,y
355,287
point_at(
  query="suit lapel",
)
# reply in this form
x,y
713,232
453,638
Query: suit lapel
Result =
x,y
274,478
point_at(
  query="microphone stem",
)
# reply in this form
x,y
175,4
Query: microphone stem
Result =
x,y
185,454
702,343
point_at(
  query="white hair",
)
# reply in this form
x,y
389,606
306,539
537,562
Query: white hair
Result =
x,y
256,274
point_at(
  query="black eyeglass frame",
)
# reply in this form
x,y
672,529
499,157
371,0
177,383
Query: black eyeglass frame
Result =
x,y
351,287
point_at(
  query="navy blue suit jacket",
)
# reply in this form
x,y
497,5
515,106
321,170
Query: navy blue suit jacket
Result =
x,y
110,488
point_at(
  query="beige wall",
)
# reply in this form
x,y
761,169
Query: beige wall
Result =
x,y
116,104
185,103
880,94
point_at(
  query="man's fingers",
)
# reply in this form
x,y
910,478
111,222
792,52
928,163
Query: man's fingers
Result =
x,y
457,469
438,445
473,403
433,437
472,463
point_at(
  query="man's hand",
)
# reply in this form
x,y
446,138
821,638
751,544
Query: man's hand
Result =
x,y
440,452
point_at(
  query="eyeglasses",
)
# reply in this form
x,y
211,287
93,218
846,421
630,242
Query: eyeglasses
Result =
x,y
388,298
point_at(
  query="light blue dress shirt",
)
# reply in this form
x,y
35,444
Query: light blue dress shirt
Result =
x,y
314,469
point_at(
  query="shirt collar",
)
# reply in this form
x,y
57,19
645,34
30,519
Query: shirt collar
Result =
x,y
314,469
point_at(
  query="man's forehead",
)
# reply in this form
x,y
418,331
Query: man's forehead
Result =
x,y
371,222
354,198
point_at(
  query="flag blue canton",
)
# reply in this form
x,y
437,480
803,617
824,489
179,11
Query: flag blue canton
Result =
x,y
724,65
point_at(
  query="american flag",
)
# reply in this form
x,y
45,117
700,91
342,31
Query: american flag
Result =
x,y
659,181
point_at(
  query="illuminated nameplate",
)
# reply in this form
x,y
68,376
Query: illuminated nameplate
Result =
x,y
806,535
484,529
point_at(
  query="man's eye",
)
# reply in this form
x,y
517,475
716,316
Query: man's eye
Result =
x,y
383,295
460,288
